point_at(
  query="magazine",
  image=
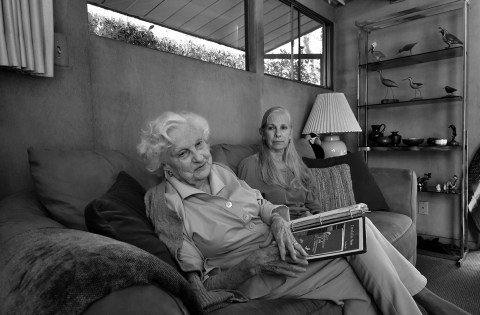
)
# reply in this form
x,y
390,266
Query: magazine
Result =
x,y
332,234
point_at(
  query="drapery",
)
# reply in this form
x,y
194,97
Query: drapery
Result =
x,y
26,36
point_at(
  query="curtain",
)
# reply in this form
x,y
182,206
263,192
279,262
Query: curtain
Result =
x,y
26,36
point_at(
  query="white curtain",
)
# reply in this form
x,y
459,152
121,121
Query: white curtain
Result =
x,y
26,36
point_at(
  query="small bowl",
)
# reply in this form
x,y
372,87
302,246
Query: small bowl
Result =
x,y
441,142
412,141
383,141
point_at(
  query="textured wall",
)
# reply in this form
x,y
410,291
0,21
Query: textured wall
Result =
x,y
110,89
46,112
416,121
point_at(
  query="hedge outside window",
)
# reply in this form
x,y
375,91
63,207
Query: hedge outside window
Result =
x,y
212,31
297,41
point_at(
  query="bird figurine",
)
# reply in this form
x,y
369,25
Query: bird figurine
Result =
x,y
450,90
416,86
389,84
454,134
375,53
448,38
407,48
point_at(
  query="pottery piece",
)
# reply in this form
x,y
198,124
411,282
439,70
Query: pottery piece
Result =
x,y
377,132
412,141
441,142
396,138
383,141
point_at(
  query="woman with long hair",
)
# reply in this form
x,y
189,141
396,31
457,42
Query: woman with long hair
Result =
x,y
280,175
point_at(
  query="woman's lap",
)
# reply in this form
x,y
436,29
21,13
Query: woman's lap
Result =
x,y
332,280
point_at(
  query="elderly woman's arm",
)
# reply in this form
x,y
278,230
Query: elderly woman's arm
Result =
x,y
264,260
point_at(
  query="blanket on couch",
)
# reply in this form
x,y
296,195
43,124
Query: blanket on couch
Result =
x,y
70,269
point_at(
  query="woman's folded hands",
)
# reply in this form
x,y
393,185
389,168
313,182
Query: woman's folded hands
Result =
x,y
268,260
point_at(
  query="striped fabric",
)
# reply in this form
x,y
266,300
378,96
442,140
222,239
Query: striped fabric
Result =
x,y
333,187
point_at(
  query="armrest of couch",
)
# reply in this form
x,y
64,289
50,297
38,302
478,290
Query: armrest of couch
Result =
x,y
399,187
52,270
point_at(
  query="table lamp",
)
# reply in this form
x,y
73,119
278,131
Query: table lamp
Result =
x,y
331,114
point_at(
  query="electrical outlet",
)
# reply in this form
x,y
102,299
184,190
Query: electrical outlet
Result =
x,y
61,50
423,207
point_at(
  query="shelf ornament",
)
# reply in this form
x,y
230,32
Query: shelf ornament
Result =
x,y
422,181
416,86
375,53
407,47
449,39
389,84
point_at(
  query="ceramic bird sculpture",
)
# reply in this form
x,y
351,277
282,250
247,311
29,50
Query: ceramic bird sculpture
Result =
x,y
450,90
388,83
375,53
416,86
407,48
448,38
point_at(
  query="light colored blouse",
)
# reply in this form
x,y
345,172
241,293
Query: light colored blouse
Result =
x,y
221,229
297,200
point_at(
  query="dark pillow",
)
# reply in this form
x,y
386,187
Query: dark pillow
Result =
x,y
365,188
120,214
67,180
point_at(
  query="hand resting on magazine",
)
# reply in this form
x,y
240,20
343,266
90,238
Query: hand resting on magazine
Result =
x,y
281,233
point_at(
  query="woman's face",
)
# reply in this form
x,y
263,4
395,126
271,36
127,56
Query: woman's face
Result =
x,y
189,157
277,132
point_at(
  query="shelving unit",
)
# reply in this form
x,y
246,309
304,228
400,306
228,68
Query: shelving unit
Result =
x,y
443,55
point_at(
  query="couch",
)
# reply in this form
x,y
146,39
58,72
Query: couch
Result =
x,y
48,255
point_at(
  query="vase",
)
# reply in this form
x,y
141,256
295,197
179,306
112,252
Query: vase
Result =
x,y
396,138
377,132
383,141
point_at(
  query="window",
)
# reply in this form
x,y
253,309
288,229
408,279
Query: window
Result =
x,y
209,30
294,43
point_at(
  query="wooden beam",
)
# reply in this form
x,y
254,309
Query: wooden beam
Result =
x,y
295,56
254,31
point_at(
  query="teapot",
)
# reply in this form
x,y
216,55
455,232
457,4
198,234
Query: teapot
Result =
x,y
377,132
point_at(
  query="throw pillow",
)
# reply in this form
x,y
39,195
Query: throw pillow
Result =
x,y
67,180
333,187
120,214
364,186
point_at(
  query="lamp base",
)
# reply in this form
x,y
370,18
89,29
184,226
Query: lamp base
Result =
x,y
333,146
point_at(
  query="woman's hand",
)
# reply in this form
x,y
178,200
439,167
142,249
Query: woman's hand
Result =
x,y
281,233
267,260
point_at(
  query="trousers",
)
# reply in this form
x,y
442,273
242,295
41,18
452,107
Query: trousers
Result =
x,y
378,281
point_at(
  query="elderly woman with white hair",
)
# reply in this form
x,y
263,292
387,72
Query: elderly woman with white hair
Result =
x,y
220,230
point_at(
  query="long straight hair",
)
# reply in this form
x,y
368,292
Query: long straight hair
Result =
x,y
268,171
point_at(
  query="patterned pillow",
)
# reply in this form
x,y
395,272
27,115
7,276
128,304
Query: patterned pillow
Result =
x,y
333,187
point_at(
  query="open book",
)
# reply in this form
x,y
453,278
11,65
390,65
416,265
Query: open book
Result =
x,y
333,233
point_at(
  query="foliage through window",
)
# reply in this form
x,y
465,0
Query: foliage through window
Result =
x,y
214,31
293,44
107,23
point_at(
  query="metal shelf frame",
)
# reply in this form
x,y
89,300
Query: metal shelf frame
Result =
x,y
365,28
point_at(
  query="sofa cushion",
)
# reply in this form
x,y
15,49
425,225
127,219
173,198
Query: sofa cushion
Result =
x,y
232,154
120,214
364,186
67,180
398,229
333,187
236,153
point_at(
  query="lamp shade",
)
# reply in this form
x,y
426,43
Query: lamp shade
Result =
x,y
331,113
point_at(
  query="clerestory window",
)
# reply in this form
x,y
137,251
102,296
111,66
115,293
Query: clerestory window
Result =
x,y
297,41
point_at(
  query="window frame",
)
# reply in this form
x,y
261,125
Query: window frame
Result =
x,y
328,44
328,38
